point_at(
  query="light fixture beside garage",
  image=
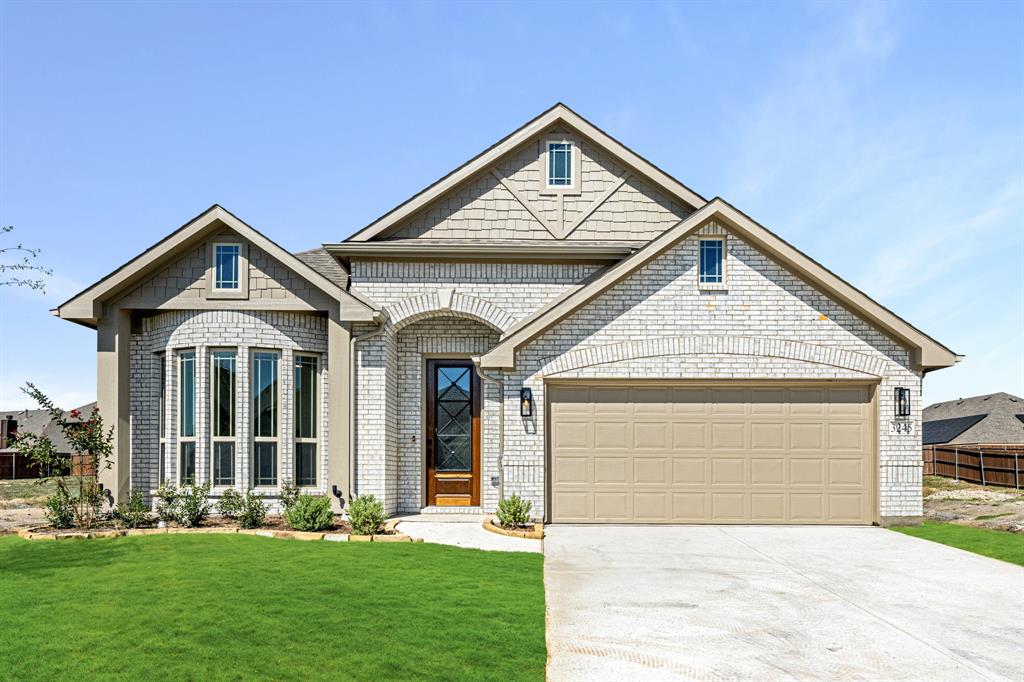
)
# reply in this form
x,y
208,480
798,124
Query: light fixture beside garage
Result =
x,y
902,402
525,402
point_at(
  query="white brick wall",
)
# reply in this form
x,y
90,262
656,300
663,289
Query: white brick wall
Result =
x,y
205,331
767,324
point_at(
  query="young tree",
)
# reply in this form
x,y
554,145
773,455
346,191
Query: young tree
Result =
x,y
88,438
21,268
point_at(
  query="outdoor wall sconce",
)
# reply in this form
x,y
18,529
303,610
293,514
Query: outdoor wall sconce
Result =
x,y
902,402
335,491
525,402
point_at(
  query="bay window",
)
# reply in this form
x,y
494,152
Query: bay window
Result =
x,y
307,411
264,418
187,417
222,416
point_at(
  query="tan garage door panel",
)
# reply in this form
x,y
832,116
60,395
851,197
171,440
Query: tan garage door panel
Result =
x,y
685,454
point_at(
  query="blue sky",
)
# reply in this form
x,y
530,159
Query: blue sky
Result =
x,y
884,140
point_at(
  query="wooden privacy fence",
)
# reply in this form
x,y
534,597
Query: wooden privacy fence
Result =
x,y
984,464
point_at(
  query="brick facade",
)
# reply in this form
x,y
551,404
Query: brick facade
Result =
x,y
657,323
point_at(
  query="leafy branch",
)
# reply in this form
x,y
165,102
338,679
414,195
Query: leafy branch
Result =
x,y
19,272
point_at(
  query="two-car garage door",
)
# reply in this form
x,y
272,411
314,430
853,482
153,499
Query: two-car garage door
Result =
x,y
661,453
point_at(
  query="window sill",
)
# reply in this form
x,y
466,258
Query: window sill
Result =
x,y
720,287
227,294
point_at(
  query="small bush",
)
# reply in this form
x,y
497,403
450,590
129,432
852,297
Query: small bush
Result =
x,y
193,506
60,509
230,503
167,502
252,511
289,493
310,512
133,513
514,512
366,514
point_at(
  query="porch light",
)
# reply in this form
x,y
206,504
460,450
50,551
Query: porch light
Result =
x,y
902,402
525,402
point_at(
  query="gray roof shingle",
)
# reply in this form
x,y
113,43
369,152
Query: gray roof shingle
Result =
x,y
324,263
998,423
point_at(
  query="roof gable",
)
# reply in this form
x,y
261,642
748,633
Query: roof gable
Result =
x,y
621,187
929,353
86,307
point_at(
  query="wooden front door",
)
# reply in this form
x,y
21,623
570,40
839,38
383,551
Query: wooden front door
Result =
x,y
453,433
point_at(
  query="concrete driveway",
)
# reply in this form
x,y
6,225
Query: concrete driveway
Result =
x,y
776,603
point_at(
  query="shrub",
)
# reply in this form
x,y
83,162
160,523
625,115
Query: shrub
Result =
x,y
193,506
289,493
133,513
366,514
252,511
514,512
60,510
310,512
230,503
167,502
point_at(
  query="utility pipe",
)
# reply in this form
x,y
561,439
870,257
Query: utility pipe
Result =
x,y
501,425
352,401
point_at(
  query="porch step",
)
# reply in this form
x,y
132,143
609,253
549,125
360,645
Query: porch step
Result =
x,y
453,510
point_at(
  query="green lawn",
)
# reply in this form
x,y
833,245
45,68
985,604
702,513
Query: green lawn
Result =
x,y
997,544
206,607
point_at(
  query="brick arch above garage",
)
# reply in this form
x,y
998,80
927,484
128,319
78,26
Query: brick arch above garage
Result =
x,y
764,347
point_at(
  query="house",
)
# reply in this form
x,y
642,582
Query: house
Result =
x,y
992,424
556,318
13,464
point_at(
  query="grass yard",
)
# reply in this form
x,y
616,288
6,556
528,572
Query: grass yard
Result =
x,y
997,544
207,607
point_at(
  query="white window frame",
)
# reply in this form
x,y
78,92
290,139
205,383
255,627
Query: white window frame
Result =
x,y
162,426
217,285
253,419
573,188
213,405
242,290
712,286
318,420
183,439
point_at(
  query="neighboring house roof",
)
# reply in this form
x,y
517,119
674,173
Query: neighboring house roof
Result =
x,y
559,113
944,430
40,422
930,354
85,307
998,420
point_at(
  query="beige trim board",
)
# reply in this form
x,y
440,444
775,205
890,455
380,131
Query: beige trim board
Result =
x,y
559,113
86,306
425,250
930,354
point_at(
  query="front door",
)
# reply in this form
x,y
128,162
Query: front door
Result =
x,y
453,433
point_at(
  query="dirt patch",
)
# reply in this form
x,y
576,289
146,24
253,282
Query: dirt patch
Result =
x,y
13,518
974,505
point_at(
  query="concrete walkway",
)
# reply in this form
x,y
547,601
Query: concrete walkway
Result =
x,y
463,531
776,603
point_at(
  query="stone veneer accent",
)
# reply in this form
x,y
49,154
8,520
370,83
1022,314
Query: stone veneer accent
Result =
x,y
766,323
205,331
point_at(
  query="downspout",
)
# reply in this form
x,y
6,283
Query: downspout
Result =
x,y
501,425
352,401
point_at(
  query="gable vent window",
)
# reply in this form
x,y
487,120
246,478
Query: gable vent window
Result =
x,y
226,257
712,261
559,164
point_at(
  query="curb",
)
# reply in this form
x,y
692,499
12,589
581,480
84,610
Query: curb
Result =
x,y
536,534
